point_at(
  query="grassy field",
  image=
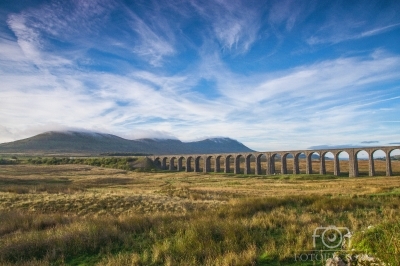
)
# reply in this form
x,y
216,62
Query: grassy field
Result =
x,y
88,215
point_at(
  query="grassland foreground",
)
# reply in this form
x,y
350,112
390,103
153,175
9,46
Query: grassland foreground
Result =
x,y
88,215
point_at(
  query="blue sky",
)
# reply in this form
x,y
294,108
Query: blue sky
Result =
x,y
275,75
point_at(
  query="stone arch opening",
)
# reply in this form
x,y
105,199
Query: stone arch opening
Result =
x,y
326,165
165,163
362,162
208,164
157,163
239,160
198,164
180,164
172,162
250,164
227,163
378,163
341,163
261,165
218,164
395,162
285,157
189,167
313,164
275,164
299,163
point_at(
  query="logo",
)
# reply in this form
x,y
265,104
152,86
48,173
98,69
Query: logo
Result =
x,y
326,242
331,236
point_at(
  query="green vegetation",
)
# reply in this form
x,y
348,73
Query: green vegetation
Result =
x,y
393,158
88,215
137,163
256,230
118,163
382,240
8,161
124,154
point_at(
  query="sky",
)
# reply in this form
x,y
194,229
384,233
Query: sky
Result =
x,y
274,75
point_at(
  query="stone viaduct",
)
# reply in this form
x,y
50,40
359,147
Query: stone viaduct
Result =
x,y
269,160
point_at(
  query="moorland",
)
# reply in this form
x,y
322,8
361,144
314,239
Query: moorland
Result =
x,y
82,214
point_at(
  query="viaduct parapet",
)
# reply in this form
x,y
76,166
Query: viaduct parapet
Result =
x,y
184,162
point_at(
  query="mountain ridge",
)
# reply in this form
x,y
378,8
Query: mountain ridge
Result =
x,y
72,142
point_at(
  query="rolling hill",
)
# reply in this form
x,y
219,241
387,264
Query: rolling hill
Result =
x,y
74,142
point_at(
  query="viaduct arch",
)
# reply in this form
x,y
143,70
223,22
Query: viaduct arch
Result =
x,y
270,158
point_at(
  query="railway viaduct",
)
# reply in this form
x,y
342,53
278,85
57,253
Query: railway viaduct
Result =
x,y
269,160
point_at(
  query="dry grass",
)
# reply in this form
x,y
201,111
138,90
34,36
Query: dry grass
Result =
x,y
74,214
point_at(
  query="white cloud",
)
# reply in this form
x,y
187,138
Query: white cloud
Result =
x,y
268,111
343,76
341,25
27,38
378,30
286,12
234,24
343,36
324,102
143,134
152,45
263,111
31,44
155,39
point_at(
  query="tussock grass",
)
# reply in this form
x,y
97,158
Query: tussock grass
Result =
x,y
19,221
129,218
382,241
234,234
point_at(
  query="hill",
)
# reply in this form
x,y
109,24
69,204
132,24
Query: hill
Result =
x,y
395,157
74,142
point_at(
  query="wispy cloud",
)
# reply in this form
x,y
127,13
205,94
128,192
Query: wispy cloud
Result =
x,y
35,30
152,45
284,12
234,23
351,36
297,100
134,70
341,25
378,30
27,38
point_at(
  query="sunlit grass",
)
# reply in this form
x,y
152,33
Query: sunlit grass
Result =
x,y
76,214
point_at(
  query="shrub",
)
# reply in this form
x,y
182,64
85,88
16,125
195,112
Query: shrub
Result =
x,y
382,241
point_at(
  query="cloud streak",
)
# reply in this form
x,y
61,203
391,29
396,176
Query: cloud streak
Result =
x,y
152,45
139,70
234,24
378,30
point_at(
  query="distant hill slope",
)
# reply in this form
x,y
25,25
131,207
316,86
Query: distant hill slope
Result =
x,y
72,142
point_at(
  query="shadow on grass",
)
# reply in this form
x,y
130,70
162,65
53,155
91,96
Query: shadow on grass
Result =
x,y
238,234
50,185
58,185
